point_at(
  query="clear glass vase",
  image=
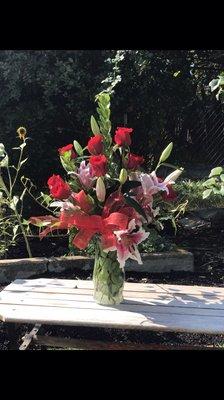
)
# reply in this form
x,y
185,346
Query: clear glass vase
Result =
x,y
108,278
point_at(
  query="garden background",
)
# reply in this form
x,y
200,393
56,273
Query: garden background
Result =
x,y
163,95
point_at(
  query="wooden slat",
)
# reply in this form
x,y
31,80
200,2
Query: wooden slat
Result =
x,y
191,290
146,306
87,301
119,319
62,284
27,339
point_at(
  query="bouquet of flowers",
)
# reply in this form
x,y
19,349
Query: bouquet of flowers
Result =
x,y
107,198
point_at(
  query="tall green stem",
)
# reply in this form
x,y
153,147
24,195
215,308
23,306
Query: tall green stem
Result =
x,y
23,233
18,167
10,198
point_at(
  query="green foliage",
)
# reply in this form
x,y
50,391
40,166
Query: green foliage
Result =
x,y
193,192
156,243
215,183
218,86
52,92
103,110
11,202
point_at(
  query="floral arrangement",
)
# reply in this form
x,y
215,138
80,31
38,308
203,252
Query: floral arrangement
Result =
x,y
107,198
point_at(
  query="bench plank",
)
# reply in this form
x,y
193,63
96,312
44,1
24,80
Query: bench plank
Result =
x,y
146,306
130,303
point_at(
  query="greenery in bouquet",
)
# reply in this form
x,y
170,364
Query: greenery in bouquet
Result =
x,y
107,199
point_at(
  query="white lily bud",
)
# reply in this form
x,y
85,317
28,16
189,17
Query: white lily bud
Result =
x,y
100,190
123,176
171,178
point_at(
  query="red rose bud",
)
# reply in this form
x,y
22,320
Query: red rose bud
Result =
x,y
122,136
171,196
98,164
69,147
95,145
59,189
83,201
134,161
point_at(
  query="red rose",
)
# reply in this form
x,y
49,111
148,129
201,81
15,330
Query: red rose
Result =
x,y
95,145
98,164
83,201
69,147
134,161
122,136
59,189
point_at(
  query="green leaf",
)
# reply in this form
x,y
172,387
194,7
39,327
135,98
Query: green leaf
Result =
x,y
94,126
166,153
211,181
4,162
216,190
23,161
176,74
46,198
222,177
78,148
221,80
216,171
67,162
133,203
22,145
14,202
25,222
23,194
214,84
2,149
219,94
206,193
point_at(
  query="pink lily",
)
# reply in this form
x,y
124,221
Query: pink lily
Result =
x,y
85,175
126,243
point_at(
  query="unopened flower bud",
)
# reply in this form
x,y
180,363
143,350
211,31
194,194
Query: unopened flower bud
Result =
x,y
21,132
100,189
123,176
173,176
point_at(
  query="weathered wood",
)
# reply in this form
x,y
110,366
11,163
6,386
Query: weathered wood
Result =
x,y
28,337
42,284
197,323
154,302
160,307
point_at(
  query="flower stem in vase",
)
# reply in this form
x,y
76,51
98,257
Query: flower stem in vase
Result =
x,y
108,278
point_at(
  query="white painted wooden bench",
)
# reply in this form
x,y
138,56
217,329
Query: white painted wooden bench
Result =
x,y
154,307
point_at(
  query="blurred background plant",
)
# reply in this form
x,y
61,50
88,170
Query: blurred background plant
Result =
x,y
12,225
162,94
